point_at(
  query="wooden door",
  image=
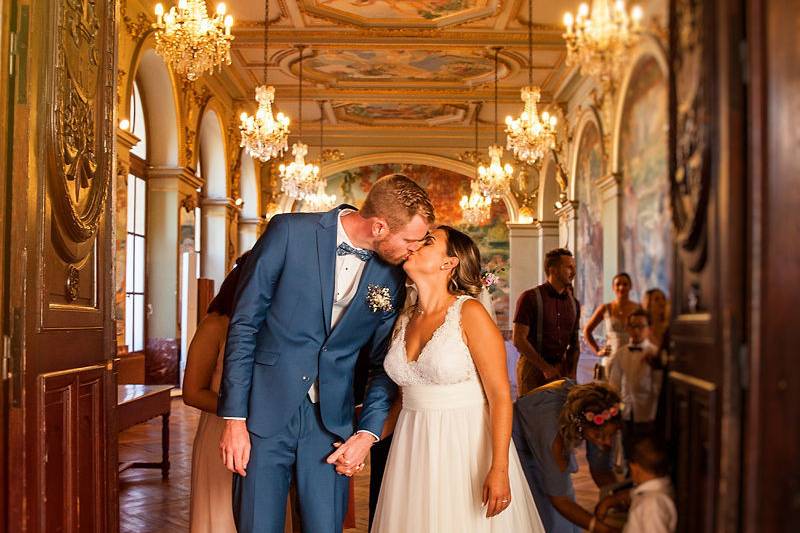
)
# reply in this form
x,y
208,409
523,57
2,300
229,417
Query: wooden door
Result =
x,y
771,480
707,172
61,440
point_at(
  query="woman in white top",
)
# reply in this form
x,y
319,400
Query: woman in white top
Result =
x,y
451,466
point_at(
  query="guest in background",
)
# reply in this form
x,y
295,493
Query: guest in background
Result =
x,y
614,315
635,371
546,326
549,423
652,508
210,504
656,305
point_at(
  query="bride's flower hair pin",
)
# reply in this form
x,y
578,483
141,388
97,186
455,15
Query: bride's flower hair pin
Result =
x,y
490,277
379,299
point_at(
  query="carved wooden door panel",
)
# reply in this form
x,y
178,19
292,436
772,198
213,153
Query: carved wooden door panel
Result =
x,y
62,444
707,156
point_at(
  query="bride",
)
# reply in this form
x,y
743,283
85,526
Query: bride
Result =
x,y
450,466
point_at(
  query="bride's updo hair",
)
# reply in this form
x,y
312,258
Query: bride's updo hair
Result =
x,y
466,276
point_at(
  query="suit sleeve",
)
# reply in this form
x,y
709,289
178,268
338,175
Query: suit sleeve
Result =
x,y
253,297
381,390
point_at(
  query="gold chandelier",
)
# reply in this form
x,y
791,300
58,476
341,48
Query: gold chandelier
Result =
x,y
598,39
264,136
190,41
530,137
475,207
319,200
494,181
298,178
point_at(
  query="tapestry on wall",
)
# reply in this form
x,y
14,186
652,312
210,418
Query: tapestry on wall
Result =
x,y
589,245
646,216
445,189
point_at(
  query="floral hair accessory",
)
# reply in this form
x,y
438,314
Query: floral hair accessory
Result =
x,y
490,277
379,299
598,419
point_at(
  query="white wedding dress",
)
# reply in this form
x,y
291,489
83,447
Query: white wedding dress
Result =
x,y
441,450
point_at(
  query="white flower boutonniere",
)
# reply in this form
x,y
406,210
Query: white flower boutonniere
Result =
x,y
379,299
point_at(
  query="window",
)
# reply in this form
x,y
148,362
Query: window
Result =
x,y
137,123
135,257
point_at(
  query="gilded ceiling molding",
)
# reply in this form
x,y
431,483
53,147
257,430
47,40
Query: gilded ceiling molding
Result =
x,y
138,27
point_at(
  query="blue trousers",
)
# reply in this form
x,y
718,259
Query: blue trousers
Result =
x,y
301,448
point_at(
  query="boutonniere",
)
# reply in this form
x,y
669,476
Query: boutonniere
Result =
x,y
379,299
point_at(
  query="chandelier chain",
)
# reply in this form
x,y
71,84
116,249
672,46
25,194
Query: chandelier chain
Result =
x,y
530,43
496,52
266,38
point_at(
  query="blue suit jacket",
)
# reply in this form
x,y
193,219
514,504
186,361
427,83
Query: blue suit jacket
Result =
x,y
280,339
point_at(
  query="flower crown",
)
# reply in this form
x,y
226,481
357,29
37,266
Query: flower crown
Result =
x,y
598,419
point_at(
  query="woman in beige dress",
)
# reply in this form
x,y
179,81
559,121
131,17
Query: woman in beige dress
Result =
x,y
211,508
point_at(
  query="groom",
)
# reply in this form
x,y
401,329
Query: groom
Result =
x,y
316,288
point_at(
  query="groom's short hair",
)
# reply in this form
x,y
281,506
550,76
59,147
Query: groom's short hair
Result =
x,y
397,198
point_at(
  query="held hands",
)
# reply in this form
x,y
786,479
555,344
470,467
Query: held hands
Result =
x,y
349,457
234,446
496,491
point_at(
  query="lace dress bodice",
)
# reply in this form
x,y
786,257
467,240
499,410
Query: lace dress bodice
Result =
x,y
444,360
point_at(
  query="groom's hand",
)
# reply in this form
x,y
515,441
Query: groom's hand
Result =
x,y
234,446
349,457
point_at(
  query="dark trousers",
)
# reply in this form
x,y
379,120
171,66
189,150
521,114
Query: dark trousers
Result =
x,y
377,465
302,447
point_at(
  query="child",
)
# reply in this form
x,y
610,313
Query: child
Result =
x,y
635,371
652,509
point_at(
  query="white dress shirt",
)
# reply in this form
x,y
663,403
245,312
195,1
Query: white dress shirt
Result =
x,y
638,383
652,509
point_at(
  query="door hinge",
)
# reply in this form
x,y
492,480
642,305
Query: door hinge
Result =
x,y
5,364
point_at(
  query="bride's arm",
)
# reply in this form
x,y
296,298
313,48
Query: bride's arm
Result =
x,y
488,351
391,418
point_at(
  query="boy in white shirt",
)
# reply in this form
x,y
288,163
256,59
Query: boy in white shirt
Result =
x,y
652,509
635,371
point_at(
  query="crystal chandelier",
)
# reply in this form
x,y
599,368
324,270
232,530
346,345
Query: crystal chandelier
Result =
x,y
598,40
529,136
264,136
190,41
319,200
298,178
494,181
475,208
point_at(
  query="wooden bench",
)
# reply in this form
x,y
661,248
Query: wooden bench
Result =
x,y
140,403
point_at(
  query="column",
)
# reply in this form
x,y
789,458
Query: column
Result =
x,y
166,188
524,265
567,216
217,214
611,194
249,230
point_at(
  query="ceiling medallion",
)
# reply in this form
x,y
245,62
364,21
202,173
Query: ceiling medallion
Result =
x,y
191,42
494,181
298,178
264,136
598,39
530,137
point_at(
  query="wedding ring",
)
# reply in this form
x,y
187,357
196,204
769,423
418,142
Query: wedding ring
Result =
x,y
504,501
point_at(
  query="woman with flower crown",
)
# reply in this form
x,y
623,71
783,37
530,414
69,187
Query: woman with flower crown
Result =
x,y
549,423
451,467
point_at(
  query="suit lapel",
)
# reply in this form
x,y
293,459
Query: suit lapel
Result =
x,y
326,255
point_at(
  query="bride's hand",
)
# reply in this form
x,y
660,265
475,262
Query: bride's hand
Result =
x,y
496,492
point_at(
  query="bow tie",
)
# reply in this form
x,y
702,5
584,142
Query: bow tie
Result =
x,y
346,249
634,348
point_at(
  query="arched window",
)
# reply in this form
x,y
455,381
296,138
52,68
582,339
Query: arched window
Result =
x,y
136,231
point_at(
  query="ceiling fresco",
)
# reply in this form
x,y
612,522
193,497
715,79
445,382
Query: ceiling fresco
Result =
x,y
399,113
400,13
401,66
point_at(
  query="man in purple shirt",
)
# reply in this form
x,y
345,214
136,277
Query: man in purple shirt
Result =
x,y
546,326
